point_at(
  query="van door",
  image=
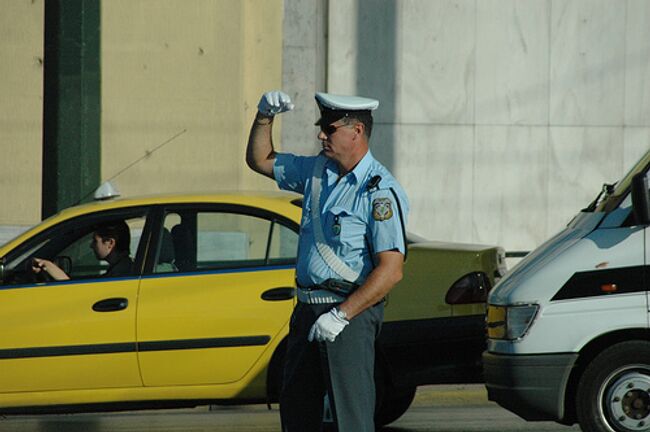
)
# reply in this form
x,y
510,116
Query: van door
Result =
x,y
647,271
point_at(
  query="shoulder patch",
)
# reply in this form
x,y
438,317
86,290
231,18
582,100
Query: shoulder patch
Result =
x,y
382,209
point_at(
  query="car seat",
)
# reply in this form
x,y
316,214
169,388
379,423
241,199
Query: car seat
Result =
x,y
184,248
166,257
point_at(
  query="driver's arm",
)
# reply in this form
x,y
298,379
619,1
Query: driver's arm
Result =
x,y
55,272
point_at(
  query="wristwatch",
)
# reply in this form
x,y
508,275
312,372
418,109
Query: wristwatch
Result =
x,y
341,314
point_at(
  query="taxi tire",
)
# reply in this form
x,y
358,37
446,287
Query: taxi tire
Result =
x,y
392,404
610,374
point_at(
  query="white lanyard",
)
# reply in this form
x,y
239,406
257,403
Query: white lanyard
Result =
x,y
325,251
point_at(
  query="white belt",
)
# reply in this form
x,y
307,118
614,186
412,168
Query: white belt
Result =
x,y
318,296
324,250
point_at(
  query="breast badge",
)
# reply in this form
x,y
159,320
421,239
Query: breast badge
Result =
x,y
336,228
382,209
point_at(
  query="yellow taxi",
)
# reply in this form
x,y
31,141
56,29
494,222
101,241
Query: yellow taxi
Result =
x,y
203,316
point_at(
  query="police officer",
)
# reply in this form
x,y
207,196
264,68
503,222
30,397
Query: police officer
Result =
x,y
350,255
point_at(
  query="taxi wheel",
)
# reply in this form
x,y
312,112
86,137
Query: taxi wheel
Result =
x,y
614,391
392,404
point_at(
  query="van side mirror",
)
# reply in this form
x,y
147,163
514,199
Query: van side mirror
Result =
x,y
641,199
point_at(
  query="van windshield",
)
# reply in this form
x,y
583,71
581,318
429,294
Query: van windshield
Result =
x,y
612,201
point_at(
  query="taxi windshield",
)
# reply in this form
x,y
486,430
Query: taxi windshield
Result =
x,y
613,199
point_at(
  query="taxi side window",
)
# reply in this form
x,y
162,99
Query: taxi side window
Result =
x,y
86,264
284,245
68,245
205,240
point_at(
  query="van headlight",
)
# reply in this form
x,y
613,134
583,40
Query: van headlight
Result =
x,y
510,322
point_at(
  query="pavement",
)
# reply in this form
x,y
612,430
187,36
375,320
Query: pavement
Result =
x,y
450,395
437,408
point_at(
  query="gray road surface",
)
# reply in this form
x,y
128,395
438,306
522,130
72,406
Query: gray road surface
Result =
x,y
435,409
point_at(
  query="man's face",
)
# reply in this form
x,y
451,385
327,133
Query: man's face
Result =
x,y
101,247
338,139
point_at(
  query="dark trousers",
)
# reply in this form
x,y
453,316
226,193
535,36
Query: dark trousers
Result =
x,y
351,360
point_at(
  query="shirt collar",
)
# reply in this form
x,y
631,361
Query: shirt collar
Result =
x,y
358,173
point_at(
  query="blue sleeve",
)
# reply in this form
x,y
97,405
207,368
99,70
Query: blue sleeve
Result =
x,y
385,221
291,172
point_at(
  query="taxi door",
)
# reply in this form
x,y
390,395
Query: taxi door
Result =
x,y
218,297
67,335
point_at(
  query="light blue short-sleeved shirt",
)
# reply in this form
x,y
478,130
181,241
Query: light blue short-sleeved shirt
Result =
x,y
358,221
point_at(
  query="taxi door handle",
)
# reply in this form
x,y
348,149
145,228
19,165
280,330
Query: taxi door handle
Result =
x,y
276,294
111,305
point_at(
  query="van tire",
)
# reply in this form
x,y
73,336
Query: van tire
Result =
x,y
614,390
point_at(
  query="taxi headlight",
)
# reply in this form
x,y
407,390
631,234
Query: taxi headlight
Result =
x,y
510,322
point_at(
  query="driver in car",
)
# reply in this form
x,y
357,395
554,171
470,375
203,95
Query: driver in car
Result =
x,y
110,243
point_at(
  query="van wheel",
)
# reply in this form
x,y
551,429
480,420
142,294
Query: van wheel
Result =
x,y
614,391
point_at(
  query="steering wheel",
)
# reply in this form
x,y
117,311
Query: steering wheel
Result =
x,y
39,277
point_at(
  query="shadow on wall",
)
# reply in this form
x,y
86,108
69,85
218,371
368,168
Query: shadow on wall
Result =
x,y
376,70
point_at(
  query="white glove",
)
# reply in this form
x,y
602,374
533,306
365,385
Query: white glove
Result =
x,y
274,102
328,326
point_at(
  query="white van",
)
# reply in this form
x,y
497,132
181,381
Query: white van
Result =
x,y
568,335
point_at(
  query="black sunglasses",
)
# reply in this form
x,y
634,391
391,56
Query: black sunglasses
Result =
x,y
330,128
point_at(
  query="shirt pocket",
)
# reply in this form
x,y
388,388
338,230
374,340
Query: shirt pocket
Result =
x,y
346,229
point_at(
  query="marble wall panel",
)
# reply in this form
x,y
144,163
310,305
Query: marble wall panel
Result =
x,y
587,77
636,143
512,62
581,160
434,165
637,64
503,117
510,186
436,61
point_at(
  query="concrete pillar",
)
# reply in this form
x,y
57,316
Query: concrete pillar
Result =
x,y
72,102
304,71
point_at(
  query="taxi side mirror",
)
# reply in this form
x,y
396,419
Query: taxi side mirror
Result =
x,y
641,199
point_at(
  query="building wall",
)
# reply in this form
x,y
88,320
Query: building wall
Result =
x,y
180,85
501,118
304,55
21,106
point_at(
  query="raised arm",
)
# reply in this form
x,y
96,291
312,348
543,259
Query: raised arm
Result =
x,y
260,154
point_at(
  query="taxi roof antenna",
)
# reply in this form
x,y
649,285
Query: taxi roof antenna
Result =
x,y
107,190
